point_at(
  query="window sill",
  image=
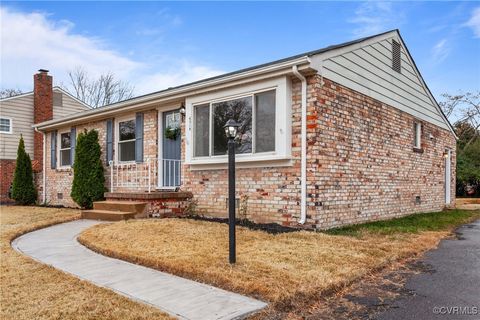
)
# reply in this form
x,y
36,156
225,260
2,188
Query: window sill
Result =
x,y
63,169
241,162
417,150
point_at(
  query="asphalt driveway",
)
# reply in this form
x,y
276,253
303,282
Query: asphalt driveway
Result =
x,y
452,289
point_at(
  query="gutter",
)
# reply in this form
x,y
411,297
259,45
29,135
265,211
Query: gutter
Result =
x,y
303,138
169,94
44,166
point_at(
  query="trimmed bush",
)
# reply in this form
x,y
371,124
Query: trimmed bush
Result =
x,y
23,188
88,179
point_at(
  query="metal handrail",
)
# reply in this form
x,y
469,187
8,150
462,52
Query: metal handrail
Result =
x,y
143,175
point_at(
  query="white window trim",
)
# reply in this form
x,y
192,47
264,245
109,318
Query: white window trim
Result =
x,y
10,127
116,135
418,135
59,148
281,85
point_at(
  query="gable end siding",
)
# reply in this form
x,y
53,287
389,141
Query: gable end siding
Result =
x,y
368,70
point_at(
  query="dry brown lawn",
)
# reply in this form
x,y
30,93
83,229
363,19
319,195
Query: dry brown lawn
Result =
x,y
30,290
286,269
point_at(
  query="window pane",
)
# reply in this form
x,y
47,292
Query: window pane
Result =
x,y
127,130
65,140
5,125
127,151
202,135
65,157
241,111
265,121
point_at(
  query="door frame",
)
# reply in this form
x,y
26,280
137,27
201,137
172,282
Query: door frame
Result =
x,y
448,175
160,111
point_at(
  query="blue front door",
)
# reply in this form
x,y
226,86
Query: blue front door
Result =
x,y
170,162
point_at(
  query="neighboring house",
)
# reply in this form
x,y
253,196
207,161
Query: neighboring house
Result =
x,y
341,135
17,116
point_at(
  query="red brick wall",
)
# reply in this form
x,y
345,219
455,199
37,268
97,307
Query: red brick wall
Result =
x,y
361,166
7,168
43,109
365,167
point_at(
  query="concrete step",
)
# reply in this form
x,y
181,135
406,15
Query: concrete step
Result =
x,y
118,205
107,215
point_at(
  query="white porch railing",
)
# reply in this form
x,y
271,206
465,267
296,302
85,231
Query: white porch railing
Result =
x,y
145,176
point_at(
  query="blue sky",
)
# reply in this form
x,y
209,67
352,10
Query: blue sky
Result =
x,y
155,45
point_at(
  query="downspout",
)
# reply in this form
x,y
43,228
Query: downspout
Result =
x,y
44,159
303,156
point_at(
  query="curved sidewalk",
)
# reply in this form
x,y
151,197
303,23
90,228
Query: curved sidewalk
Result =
x,y
186,299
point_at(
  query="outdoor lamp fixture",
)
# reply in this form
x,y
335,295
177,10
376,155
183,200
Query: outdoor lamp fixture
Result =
x,y
231,128
182,109
445,154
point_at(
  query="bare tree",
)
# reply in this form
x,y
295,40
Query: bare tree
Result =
x,y
463,108
7,93
97,92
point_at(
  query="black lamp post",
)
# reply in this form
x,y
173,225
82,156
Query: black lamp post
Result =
x,y
231,131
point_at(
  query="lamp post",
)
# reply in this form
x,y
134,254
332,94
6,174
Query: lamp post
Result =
x,y
231,132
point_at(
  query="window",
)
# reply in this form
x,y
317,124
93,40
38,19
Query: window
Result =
x,y
65,146
396,56
202,132
5,125
417,135
256,134
126,140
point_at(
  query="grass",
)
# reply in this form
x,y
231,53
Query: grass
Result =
x,y
433,221
31,290
287,269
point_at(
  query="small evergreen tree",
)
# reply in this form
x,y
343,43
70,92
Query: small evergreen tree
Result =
x,y
88,179
23,189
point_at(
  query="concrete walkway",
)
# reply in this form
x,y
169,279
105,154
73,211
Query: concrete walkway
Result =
x,y
58,246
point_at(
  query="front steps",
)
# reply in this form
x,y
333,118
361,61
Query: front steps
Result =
x,y
114,210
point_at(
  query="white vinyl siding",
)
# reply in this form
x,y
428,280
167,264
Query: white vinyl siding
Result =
x,y
70,106
368,70
20,110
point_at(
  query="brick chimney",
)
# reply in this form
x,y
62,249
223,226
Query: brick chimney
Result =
x,y
42,109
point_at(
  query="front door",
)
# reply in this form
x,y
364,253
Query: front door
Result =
x,y
448,173
171,149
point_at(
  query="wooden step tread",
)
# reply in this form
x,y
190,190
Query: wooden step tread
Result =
x,y
107,215
121,202
109,211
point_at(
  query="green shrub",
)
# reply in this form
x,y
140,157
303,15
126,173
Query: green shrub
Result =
x,y
23,188
88,179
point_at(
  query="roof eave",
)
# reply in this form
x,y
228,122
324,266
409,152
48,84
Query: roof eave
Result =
x,y
174,93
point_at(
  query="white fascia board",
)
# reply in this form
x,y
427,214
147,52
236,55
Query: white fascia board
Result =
x,y
17,96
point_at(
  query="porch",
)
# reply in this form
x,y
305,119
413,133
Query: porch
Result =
x,y
142,190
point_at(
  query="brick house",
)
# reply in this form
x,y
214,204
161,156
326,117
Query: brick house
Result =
x,y
17,116
341,135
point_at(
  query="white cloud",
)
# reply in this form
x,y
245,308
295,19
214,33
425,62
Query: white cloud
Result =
x,y
441,50
474,22
374,17
181,73
30,41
